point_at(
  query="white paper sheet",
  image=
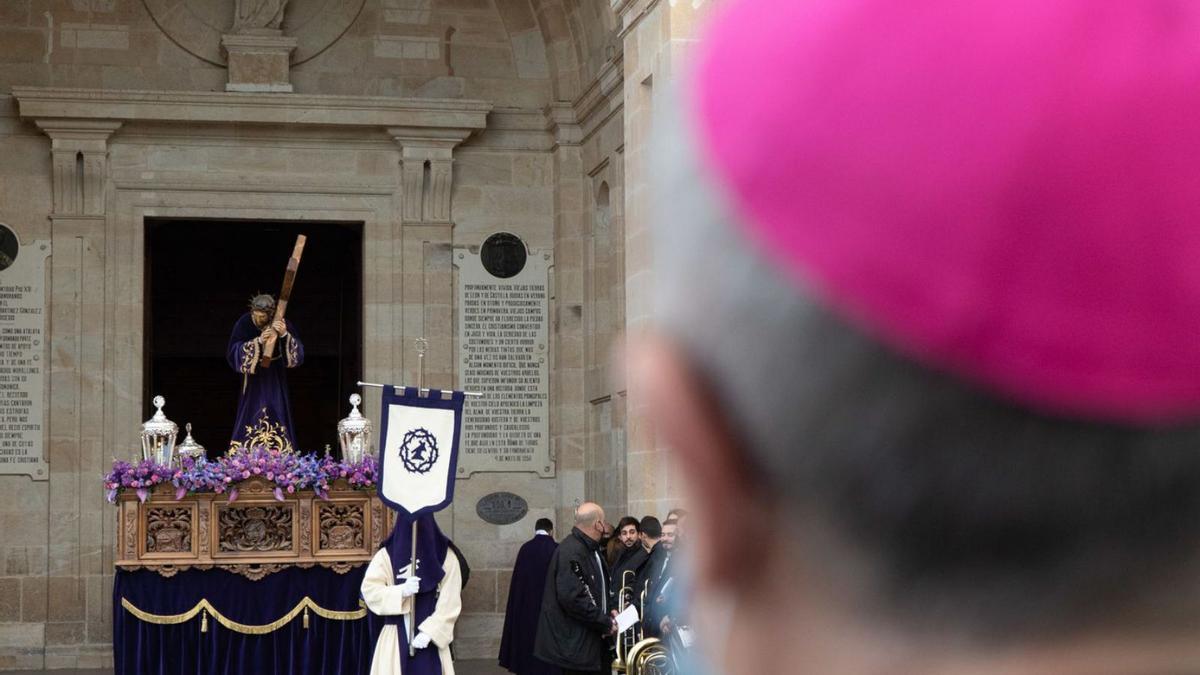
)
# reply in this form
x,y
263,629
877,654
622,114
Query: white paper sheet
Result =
x,y
626,619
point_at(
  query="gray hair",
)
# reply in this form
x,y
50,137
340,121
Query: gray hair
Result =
x,y
968,512
262,302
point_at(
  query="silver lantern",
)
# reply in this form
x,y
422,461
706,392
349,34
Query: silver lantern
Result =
x,y
158,436
189,447
354,433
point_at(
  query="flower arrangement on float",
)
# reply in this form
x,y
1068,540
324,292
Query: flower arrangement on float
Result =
x,y
266,455
287,470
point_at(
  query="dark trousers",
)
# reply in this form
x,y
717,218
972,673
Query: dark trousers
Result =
x,y
583,672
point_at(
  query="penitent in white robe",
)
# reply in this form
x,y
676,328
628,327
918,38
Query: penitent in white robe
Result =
x,y
382,597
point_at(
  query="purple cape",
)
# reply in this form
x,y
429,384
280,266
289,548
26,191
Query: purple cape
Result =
x,y
524,605
264,390
431,558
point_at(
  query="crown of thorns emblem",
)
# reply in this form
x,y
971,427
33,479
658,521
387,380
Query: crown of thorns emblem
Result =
x,y
419,451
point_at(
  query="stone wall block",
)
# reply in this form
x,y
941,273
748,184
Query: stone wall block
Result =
x,y
15,636
478,625
97,587
483,168
481,596
64,560
483,61
66,599
68,633
23,528
504,582
10,599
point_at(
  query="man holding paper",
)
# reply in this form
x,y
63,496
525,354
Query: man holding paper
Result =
x,y
576,617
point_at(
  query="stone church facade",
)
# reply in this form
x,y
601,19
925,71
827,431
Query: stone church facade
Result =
x,y
432,124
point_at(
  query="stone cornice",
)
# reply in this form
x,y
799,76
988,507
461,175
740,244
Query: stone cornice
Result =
x,y
602,90
43,103
562,122
631,12
79,132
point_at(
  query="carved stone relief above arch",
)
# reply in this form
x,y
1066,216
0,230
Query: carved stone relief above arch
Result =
x,y
197,25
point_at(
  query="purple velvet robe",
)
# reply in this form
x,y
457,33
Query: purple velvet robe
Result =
x,y
263,389
524,605
432,545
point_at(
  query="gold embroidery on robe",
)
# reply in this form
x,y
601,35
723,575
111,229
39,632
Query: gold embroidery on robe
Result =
x,y
293,353
250,354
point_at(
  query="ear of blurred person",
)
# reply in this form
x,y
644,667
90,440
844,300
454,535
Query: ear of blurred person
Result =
x,y
728,505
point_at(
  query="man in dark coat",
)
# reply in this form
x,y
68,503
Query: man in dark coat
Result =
x,y
650,531
657,576
576,617
525,604
632,559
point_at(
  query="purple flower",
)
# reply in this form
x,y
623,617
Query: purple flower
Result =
x,y
289,472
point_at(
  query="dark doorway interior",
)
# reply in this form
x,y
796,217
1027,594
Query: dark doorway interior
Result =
x,y
200,276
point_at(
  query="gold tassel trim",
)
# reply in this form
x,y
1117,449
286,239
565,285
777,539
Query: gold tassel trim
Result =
x,y
204,608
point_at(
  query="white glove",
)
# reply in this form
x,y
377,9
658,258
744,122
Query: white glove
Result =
x,y
421,641
410,587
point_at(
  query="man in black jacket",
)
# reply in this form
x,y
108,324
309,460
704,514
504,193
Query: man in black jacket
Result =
x,y
657,577
575,615
634,561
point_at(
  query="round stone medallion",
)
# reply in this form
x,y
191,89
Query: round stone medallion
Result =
x,y
197,25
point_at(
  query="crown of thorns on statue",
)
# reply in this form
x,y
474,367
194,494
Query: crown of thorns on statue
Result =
x,y
262,302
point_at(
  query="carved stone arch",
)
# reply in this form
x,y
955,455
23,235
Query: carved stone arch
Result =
x,y
562,50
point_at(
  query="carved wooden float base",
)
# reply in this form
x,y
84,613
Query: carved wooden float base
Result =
x,y
254,536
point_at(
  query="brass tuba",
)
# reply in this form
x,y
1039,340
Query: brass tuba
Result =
x,y
649,657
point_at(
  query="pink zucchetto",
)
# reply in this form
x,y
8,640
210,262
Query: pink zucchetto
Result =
x,y
1005,189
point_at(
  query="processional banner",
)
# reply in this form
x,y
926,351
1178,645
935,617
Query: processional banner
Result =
x,y
418,454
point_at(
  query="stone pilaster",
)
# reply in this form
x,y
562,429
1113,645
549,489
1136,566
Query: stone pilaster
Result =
x,y
426,241
80,527
568,418
426,170
656,36
79,149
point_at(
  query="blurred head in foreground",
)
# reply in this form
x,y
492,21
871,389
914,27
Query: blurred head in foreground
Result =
x,y
929,300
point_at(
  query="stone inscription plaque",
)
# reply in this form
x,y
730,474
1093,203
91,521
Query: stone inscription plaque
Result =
x,y
22,356
503,329
501,508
